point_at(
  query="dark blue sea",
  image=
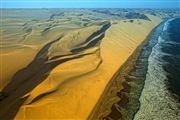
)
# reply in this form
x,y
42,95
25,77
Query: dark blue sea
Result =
x,y
160,95
154,79
171,46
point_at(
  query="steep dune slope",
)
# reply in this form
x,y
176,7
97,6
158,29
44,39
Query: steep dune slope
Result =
x,y
57,64
65,48
72,89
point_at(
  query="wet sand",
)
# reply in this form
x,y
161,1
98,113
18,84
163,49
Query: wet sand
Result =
x,y
123,102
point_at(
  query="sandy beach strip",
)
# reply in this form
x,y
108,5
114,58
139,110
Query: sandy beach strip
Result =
x,y
67,77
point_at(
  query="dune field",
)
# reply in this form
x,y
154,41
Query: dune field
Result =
x,y
56,63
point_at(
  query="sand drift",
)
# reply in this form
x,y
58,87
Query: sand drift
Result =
x,y
145,94
82,63
28,78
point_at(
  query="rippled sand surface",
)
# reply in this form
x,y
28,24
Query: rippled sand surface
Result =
x,y
57,63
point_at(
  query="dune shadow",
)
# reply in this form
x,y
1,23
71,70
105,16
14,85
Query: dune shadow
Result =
x,y
25,80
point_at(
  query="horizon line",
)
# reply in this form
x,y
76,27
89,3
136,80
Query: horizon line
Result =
x,y
88,4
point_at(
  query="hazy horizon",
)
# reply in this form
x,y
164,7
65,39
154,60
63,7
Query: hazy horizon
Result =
x,y
89,59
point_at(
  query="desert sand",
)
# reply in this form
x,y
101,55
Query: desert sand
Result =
x,y
60,72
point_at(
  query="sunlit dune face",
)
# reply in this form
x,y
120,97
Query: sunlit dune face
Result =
x,y
64,62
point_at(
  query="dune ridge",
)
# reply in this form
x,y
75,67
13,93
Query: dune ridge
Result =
x,y
28,78
72,58
123,102
69,91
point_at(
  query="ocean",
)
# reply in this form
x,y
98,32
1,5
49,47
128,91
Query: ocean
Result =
x,y
154,79
159,99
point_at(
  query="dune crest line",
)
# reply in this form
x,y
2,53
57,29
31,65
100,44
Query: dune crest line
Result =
x,y
132,76
28,78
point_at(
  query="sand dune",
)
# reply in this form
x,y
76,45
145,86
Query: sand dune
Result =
x,y
120,41
63,69
54,53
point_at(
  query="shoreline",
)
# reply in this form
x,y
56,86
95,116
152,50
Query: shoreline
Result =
x,y
156,88
68,87
121,77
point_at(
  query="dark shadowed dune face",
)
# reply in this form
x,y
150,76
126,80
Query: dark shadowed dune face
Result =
x,y
26,79
152,79
87,63
134,15
135,77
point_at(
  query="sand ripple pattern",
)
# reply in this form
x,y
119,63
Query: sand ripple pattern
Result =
x,y
50,55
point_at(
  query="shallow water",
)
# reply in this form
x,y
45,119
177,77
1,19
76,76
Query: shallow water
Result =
x,y
153,79
159,98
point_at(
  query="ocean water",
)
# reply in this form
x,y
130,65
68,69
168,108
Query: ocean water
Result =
x,y
154,79
160,97
135,79
171,46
